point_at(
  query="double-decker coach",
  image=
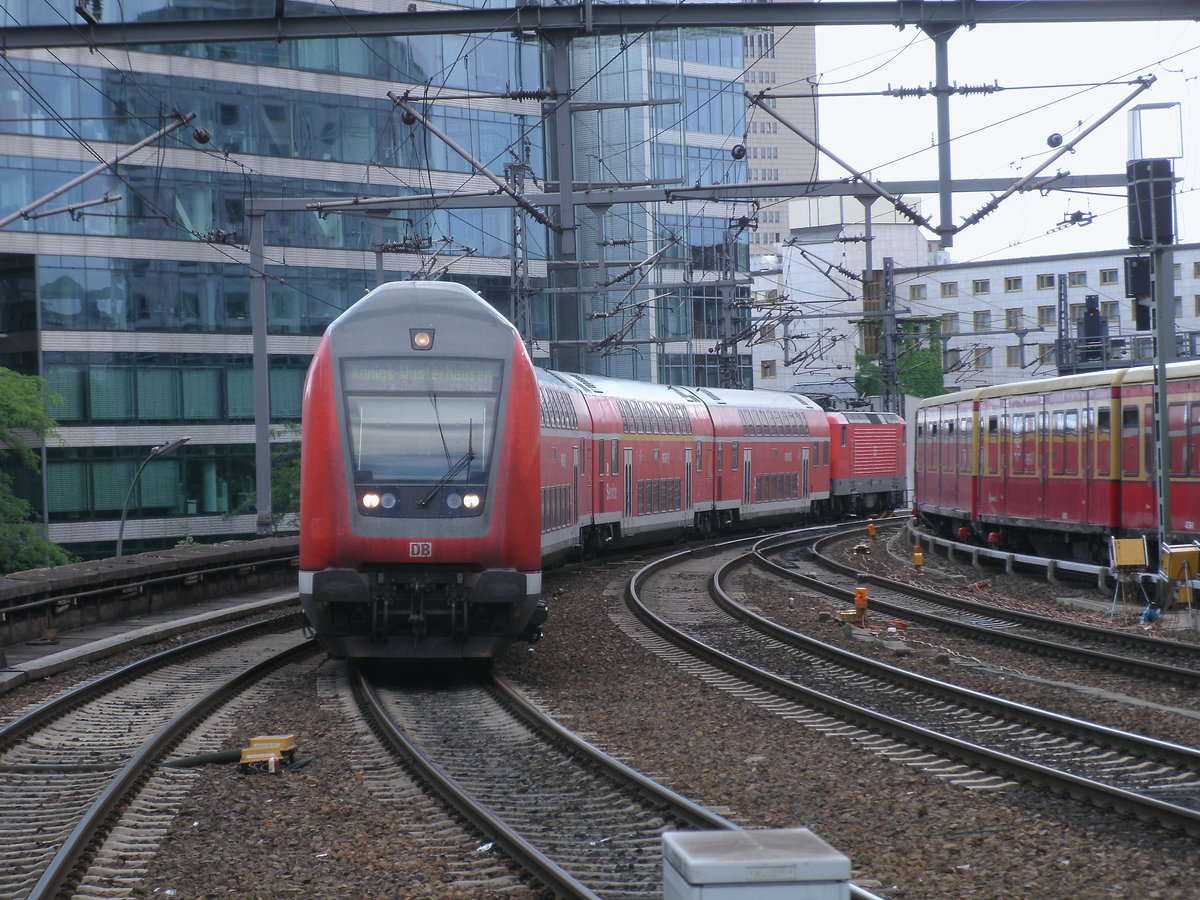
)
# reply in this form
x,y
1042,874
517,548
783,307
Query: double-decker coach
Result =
x,y
440,471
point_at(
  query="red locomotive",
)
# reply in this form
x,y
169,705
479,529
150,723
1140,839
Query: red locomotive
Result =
x,y
1060,465
441,471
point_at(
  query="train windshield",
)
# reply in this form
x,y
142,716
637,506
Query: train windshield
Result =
x,y
421,420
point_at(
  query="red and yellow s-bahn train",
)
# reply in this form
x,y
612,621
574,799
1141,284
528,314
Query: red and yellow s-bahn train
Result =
x,y
440,471
1057,466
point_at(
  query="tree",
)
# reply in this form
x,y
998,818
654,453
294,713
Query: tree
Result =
x,y
918,362
285,481
23,415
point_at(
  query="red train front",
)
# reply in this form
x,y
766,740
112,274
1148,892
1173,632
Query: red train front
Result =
x,y
419,456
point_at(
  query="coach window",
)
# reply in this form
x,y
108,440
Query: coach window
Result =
x,y
1103,440
1017,445
1071,442
699,456
993,444
733,456
1177,429
1058,449
1193,439
1148,454
721,455
1130,441
612,467
600,457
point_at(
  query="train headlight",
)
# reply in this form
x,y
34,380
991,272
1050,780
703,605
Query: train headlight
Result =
x,y
421,338
370,500
454,501
470,501
388,501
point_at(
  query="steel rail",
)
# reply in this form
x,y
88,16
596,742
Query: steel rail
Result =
x,y
83,837
676,804
1165,671
61,704
518,849
1169,814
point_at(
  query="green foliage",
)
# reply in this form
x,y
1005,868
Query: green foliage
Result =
x,y
187,540
285,479
285,482
23,402
918,361
23,541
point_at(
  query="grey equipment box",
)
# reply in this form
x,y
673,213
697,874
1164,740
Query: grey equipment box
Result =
x,y
771,864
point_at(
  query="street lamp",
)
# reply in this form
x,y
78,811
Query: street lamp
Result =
x,y
156,452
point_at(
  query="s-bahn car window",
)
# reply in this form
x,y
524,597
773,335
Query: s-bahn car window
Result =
x,y
1193,439
1130,436
416,419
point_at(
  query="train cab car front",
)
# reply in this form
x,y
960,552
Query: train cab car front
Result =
x,y
419,454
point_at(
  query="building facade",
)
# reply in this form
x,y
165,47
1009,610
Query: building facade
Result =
x,y
994,321
130,293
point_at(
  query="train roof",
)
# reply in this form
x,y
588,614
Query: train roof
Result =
x,y
602,385
428,300
757,399
866,417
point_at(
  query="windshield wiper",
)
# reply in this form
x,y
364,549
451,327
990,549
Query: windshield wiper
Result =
x,y
463,462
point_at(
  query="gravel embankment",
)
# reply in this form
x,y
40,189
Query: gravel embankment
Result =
x,y
324,832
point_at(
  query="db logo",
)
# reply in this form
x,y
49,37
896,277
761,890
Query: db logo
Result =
x,y
420,548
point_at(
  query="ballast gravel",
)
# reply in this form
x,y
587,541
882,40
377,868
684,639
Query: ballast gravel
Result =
x,y
324,832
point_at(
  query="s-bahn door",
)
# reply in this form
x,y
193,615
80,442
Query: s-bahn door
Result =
x,y
575,487
628,482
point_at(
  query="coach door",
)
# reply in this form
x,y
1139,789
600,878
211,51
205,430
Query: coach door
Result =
x,y
746,482
687,479
575,487
628,482
804,454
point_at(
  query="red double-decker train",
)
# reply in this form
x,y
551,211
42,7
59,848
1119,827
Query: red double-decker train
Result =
x,y
441,470
1059,465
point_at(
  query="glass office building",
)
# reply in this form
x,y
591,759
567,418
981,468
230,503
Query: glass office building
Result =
x,y
130,293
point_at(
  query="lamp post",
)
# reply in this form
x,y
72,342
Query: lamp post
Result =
x,y
155,453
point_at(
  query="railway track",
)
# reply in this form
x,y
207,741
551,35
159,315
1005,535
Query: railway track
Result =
x,y
983,741
1120,651
74,765
580,822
